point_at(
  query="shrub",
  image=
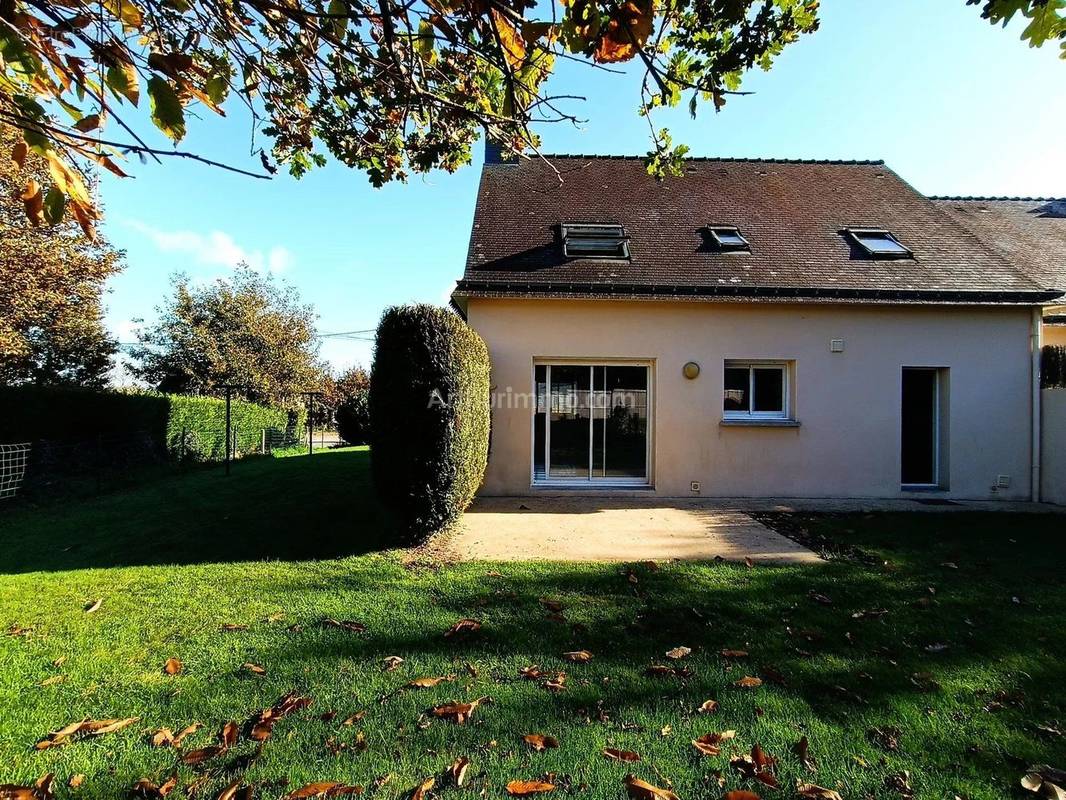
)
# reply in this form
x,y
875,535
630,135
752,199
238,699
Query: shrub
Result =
x,y
196,427
1053,367
353,417
429,413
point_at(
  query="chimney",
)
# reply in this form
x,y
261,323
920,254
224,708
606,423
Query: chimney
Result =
x,y
495,155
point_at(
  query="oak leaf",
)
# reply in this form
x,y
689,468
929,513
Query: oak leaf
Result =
x,y
522,788
540,742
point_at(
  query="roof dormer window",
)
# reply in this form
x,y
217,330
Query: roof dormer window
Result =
x,y
878,243
582,240
728,239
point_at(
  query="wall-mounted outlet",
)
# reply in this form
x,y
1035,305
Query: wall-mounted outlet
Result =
x,y
1003,481
695,486
836,345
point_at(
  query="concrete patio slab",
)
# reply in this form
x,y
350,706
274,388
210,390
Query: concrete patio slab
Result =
x,y
614,529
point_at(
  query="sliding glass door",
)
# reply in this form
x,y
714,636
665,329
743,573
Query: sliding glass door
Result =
x,y
591,423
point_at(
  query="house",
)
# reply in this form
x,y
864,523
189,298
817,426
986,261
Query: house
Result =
x,y
753,328
1030,232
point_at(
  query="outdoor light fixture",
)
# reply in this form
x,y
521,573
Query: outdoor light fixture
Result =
x,y
691,370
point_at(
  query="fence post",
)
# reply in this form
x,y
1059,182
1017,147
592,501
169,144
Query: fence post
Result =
x,y
181,445
263,441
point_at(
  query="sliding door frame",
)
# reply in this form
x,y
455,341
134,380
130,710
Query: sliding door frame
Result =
x,y
590,481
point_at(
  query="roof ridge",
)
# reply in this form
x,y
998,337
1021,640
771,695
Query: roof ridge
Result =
x,y
1000,198
840,161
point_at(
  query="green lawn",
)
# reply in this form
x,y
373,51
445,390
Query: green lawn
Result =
x,y
968,663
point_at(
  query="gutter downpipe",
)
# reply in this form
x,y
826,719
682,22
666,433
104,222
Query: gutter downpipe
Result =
x,y
1035,339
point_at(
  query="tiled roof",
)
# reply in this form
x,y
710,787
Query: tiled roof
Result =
x,y
1030,232
793,212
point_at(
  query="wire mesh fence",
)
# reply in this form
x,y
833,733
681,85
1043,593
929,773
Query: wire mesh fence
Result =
x,y
45,469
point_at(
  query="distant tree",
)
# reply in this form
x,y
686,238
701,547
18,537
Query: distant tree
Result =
x,y
388,87
51,284
246,330
348,397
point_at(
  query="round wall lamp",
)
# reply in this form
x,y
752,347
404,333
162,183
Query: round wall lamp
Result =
x,y
691,370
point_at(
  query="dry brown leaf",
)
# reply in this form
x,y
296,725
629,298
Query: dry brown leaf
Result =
x,y
427,683
185,732
678,652
52,681
232,627
463,626
419,791
203,754
389,663
802,751
260,726
578,656
88,727
740,794
708,707
93,607
229,733
521,788
76,781
230,792
164,737
323,789
748,682
540,742
640,790
762,759
1045,781
354,718
612,754
815,792
255,669
173,666
710,743
457,771
147,790
554,606
18,153
557,683
532,673
346,624
457,712
41,790
727,653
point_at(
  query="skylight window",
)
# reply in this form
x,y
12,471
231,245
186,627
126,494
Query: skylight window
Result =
x,y
729,239
878,243
594,241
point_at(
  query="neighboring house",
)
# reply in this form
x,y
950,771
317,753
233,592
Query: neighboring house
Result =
x,y
754,328
1030,232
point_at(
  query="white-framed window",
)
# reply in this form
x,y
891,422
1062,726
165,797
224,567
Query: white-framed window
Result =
x,y
756,390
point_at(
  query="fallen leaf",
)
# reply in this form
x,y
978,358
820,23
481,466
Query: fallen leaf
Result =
x,y
740,794
734,653
229,733
255,669
678,652
457,771
52,681
578,656
540,742
531,673
886,738
147,790
463,626
1045,781
260,726
323,789
556,683
203,754
230,792
41,790
554,606
810,790
88,727
802,751
231,627
76,781
345,624
612,754
819,598
710,743
457,712
640,790
164,737
188,730
173,666
93,607
708,707
426,683
748,682
762,759
521,788
354,718
420,791
389,663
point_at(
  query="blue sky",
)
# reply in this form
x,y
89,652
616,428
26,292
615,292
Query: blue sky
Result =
x,y
954,105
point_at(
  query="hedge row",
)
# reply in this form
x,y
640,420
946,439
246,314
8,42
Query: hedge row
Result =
x,y
183,426
429,415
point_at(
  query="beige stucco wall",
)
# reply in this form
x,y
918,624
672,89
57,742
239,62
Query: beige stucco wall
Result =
x,y
848,403
1053,334
1053,446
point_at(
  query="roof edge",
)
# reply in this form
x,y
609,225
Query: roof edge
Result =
x,y
469,288
992,199
742,160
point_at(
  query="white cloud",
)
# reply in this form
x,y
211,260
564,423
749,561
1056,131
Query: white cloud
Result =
x,y
216,248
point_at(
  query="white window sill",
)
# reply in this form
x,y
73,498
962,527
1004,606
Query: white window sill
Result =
x,y
758,422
